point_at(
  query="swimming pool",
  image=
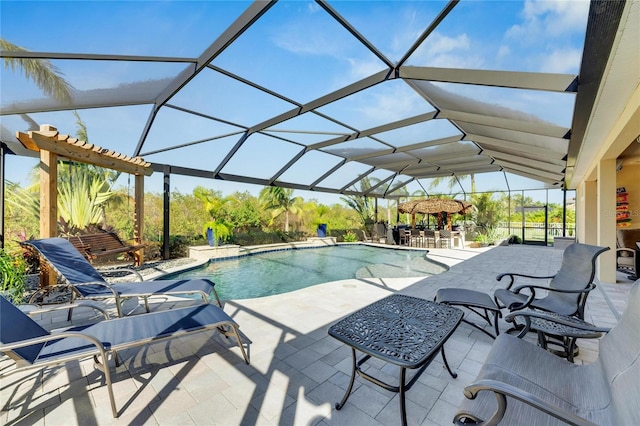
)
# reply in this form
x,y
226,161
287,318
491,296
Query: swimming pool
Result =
x,y
282,271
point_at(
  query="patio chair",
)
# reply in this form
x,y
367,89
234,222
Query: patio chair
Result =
x,y
567,290
521,383
31,346
628,252
445,239
430,238
87,283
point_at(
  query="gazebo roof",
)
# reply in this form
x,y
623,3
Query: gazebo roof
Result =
x,y
309,96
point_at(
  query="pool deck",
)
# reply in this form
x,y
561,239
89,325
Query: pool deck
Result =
x,y
297,371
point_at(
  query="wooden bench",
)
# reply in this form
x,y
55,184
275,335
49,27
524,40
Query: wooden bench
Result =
x,y
102,244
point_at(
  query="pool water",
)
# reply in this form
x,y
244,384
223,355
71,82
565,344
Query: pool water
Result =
x,y
282,271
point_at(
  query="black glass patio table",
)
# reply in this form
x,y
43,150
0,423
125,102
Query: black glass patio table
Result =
x,y
402,330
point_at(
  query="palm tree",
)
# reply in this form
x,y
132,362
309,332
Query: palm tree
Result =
x,y
280,200
46,75
363,205
452,181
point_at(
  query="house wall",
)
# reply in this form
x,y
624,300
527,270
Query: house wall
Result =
x,y
595,211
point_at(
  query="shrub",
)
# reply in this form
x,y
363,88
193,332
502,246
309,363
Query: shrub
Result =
x,y
350,237
13,270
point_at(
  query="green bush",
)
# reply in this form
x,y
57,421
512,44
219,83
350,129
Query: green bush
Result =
x,y
350,237
13,270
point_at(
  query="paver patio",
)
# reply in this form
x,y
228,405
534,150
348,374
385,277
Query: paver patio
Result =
x,y
297,371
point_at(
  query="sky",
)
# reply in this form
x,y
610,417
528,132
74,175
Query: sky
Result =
x,y
295,49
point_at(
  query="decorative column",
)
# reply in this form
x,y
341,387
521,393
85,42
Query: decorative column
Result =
x,y
607,219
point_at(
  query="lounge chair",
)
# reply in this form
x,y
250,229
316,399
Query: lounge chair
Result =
x,y
567,290
521,383
87,283
31,346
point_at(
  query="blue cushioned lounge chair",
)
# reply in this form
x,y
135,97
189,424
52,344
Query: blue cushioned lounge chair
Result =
x,y
31,346
87,283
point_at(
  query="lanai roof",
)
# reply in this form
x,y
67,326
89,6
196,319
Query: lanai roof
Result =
x,y
374,98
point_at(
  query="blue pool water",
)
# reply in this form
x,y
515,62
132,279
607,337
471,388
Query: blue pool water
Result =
x,y
283,271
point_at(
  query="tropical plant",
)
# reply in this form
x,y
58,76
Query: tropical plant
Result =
x,y
488,211
363,205
280,201
213,204
452,181
13,270
350,237
243,211
81,200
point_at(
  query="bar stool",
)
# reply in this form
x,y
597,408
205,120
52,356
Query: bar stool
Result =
x,y
445,238
405,237
429,237
416,238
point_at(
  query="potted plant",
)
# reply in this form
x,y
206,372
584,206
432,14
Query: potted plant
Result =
x,y
13,270
321,223
216,232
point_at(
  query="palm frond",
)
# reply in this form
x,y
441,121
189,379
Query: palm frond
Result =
x,y
46,75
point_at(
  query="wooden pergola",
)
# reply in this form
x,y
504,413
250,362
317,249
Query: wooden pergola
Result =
x,y
52,145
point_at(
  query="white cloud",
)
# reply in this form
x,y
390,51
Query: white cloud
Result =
x,y
504,51
439,44
542,19
561,61
397,103
452,52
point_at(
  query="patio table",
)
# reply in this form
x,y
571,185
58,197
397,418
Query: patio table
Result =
x,y
402,330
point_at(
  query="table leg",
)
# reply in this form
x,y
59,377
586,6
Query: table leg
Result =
x,y
340,404
446,364
401,390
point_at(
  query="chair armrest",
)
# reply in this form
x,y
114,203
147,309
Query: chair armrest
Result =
x,y
59,307
532,288
503,390
512,276
587,289
35,295
56,336
129,270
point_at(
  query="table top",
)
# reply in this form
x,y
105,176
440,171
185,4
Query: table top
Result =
x,y
402,330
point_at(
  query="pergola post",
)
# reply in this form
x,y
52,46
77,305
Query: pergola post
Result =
x,y
3,151
48,194
138,224
48,208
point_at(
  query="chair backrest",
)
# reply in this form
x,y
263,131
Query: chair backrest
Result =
x,y
16,326
445,233
619,355
576,272
627,238
66,260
